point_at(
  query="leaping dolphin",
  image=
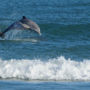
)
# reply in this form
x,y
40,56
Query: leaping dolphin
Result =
x,y
23,24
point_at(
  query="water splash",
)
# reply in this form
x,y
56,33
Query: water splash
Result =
x,y
11,35
19,35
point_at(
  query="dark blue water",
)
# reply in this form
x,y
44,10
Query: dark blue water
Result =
x,y
61,53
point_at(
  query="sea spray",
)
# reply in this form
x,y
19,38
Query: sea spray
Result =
x,y
13,34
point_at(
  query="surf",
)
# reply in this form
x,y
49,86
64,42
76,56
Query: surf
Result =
x,y
56,69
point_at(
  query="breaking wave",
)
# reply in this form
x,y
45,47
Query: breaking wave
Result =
x,y
57,69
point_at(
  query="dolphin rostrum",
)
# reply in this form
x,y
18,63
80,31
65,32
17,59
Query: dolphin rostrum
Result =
x,y
23,24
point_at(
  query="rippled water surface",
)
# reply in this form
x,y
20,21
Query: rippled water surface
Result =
x,y
59,58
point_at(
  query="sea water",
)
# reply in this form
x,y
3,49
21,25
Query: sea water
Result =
x,y
59,58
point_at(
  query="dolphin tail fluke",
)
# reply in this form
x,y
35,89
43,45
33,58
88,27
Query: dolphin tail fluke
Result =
x,y
1,34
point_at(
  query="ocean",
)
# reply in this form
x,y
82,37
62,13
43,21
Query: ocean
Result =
x,y
59,59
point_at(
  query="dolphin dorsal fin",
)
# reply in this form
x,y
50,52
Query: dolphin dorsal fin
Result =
x,y
24,17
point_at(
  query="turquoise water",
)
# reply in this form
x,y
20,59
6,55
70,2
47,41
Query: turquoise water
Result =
x,y
57,59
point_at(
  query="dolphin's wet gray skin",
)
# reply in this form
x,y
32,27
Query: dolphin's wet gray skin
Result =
x,y
23,24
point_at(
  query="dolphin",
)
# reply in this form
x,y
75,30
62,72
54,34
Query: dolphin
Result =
x,y
23,24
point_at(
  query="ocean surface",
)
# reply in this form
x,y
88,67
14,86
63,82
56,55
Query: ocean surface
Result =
x,y
59,59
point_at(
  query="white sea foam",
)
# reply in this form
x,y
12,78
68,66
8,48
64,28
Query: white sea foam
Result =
x,y
55,69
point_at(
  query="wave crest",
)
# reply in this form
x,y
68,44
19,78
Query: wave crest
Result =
x,y
55,69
